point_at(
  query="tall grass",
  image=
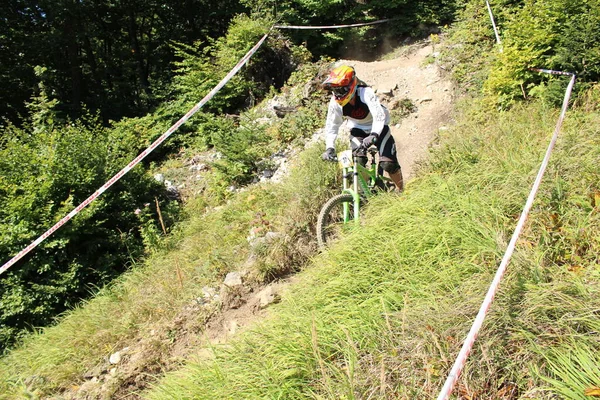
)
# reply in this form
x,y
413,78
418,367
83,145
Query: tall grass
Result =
x,y
150,297
383,313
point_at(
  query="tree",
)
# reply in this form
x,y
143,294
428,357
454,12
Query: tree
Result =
x,y
108,55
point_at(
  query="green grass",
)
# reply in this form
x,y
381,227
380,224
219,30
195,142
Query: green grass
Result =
x,y
383,313
199,253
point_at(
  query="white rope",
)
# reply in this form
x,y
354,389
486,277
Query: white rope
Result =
x,y
467,346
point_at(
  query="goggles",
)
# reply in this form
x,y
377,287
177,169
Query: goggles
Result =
x,y
341,91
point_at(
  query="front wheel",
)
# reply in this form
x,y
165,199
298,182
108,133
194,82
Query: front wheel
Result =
x,y
334,216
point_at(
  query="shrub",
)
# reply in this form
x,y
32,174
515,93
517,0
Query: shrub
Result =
x,y
47,169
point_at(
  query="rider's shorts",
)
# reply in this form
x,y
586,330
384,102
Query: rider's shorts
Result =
x,y
385,143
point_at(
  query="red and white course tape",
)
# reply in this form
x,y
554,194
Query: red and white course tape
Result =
x,y
487,302
139,158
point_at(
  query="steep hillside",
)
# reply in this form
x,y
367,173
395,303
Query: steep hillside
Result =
x,y
407,77
120,361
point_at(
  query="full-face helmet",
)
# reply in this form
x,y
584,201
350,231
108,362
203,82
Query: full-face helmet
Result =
x,y
342,82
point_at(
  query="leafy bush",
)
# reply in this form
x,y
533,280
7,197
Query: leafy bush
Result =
x,y
469,48
201,70
47,169
561,35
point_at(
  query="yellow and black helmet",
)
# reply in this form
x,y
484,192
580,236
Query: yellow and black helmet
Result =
x,y
342,82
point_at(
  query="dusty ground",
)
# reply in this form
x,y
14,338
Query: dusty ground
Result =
x,y
414,76
410,75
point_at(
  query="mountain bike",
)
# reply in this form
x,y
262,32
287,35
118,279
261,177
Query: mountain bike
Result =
x,y
359,183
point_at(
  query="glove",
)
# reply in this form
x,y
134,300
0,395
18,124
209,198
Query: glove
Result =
x,y
369,140
329,155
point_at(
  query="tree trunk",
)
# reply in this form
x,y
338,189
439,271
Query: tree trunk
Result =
x,y
137,53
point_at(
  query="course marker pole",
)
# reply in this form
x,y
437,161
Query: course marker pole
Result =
x,y
494,25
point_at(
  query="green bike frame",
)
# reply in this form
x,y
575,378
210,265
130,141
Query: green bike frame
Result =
x,y
356,173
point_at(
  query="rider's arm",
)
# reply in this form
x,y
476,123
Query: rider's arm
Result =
x,y
380,117
333,123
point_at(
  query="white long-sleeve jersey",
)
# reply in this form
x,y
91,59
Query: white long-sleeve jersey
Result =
x,y
367,114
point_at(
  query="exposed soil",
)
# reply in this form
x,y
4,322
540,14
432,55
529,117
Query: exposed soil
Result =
x,y
414,76
411,78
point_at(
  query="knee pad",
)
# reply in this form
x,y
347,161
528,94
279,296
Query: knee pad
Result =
x,y
362,160
390,167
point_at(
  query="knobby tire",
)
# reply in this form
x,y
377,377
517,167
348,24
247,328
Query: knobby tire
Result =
x,y
330,219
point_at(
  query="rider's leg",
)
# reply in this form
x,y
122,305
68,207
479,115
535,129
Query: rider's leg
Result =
x,y
360,154
395,173
388,159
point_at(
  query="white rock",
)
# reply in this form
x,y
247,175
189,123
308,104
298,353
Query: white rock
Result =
x,y
233,327
272,235
209,293
233,279
115,358
267,296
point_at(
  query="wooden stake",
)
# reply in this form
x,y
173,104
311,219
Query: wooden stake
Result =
x,y
160,216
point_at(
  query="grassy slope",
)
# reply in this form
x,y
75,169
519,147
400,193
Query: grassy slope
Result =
x,y
382,320
386,319
152,295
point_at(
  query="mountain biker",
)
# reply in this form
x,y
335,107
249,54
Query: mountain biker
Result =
x,y
367,118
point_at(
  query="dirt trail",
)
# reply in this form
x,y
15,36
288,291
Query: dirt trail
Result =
x,y
412,75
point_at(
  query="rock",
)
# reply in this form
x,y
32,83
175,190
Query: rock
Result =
x,y
266,297
216,156
172,191
199,167
269,237
159,178
88,387
233,279
281,111
387,90
263,121
208,292
97,371
115,358
195,160
232,327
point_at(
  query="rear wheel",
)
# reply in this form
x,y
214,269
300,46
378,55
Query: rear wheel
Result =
x,y
334,217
